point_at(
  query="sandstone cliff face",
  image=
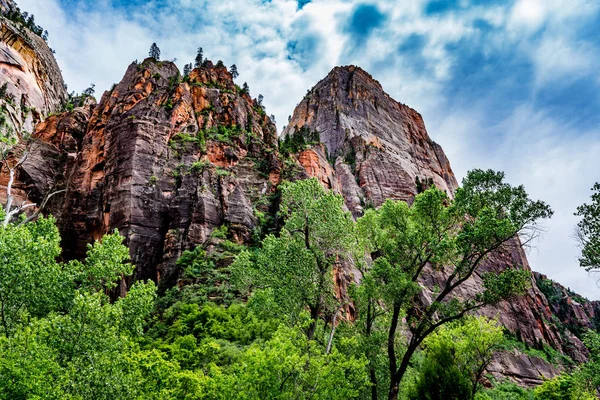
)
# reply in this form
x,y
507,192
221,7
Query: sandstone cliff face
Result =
x,y
167,160
34,84
570,311
375,148
163,160
380,146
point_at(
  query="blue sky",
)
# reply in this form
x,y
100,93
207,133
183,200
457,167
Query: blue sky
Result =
x,y
510,85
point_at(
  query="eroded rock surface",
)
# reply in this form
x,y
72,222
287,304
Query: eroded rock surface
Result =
x,y
380,149
34,84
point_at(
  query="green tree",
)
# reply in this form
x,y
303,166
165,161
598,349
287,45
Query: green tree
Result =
x,y
199,58
459,351
452,238
297,266
588,232
31,281
234,71
440,376
154,52
187,68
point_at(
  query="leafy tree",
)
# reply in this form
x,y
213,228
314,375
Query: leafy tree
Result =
x,y
297,266
31,280
588,232
290,366
440,376
458,354
563,387
234,71
452,237
154,52
199,58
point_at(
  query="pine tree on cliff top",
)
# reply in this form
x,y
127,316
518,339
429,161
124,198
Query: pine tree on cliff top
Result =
x,y
199,58
154,52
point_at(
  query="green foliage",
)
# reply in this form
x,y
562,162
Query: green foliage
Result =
x,y
588,231
31,281
505,391
563,387
61,336
441,378
542,351
299,140
439,233
297,266
456,357
271,324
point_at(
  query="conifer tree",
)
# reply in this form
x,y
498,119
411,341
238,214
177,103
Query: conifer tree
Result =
x,y
154,52
199,58
187,68
234,71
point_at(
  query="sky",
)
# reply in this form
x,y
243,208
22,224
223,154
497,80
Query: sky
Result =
x,y
510,85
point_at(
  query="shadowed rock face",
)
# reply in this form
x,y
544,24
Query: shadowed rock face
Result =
x,y
33,80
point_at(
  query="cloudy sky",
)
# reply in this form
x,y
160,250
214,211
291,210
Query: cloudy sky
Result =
x,y
511,85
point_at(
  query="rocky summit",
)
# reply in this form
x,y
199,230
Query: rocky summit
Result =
x,y
167,159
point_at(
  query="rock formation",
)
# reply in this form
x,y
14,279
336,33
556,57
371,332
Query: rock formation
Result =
x,y
375,148
167,159
32,83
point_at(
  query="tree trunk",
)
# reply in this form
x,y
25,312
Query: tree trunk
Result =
x,y
394,382
373,378
314,315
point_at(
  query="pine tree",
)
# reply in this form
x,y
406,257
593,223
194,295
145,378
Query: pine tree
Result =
x,y
220,64
234,71
187,68
154,52
90,91
199,58
245,88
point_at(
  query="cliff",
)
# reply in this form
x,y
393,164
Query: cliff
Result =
x,y
376,148
380,147
167,159
32,84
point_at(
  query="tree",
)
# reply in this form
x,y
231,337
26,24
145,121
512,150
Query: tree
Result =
x,y
297,266
220,64
245,88
61,337
8,149
587,232
234,71
187,68
457,355
452,238
259,100
440,377
154,52
30,277
90,90
199,58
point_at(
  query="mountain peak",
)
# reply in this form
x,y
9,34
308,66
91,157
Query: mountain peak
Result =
x,y
386,140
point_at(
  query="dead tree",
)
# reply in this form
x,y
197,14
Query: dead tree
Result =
x,y
11,209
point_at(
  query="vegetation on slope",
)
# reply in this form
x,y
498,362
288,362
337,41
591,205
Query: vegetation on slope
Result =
x,y
271,324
